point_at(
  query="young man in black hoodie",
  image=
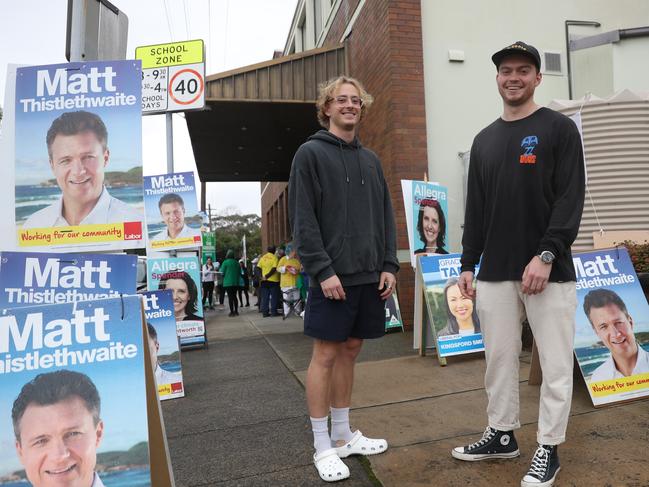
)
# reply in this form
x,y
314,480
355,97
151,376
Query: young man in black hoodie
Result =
x,y
344,231
524,205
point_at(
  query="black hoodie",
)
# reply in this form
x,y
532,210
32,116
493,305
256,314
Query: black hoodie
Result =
x,y
340,211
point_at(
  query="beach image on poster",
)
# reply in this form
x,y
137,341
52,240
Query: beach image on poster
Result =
x,y
73,380
611,327
454,320
78,156
426,206
172,217
164,346
32,278
182,276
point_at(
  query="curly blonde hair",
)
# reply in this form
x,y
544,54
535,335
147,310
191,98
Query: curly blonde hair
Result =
x,y
326,91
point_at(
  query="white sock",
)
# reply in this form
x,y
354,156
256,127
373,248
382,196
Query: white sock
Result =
x,y
321,439
340,425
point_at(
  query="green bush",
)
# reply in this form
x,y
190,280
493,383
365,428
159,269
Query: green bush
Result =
x,y
639,253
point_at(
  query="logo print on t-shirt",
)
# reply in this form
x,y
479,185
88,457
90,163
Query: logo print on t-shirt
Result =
x,y
528,144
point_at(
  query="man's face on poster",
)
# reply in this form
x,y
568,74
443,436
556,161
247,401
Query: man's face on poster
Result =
x,y
154,346
173,214
615,329
78,163
58,444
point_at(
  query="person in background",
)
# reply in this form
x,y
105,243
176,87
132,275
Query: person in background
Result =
x,y
289,267
231,272
208,276
269,285
244,284
256,280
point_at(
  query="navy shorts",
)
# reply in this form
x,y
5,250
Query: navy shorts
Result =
x,y
361,315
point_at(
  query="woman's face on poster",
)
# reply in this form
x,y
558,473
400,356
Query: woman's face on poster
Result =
x,y
430,225
461,307
180,294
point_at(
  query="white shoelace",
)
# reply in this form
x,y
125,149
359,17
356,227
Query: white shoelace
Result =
x,y
539,462
486,437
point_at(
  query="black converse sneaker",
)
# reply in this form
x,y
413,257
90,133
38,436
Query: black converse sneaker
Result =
x,y
544,468
493,444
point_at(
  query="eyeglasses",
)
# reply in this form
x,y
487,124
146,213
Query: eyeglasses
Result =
x,y
343,100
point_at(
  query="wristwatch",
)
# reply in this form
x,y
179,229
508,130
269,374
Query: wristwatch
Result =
x,y
547,257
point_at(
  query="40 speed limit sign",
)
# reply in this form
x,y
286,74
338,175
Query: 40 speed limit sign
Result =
x,y
173,76
186,87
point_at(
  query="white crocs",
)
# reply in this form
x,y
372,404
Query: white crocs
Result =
x,y
330,467
360,445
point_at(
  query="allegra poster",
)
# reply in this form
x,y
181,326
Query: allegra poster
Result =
x,y
73,374
163,343
182,276
426,207
611,326
172,217
78,156
454,318
30,278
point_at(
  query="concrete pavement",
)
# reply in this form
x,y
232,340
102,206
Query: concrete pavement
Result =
x,y
244,421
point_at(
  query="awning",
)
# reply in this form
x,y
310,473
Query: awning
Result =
x,y
257,116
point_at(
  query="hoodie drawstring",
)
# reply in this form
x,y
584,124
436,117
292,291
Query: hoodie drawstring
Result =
x,y
358,163
342,156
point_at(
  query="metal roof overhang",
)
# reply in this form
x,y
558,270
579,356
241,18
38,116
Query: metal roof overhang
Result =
x,y
257,116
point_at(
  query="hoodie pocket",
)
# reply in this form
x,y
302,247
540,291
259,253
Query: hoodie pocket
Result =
x,y
358,253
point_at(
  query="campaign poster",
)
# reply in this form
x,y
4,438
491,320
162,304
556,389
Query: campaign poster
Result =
x,y
426,207
209,246
78,157
172,217
393,313
454,319
164,347
611,326
74,374
31,278
183,276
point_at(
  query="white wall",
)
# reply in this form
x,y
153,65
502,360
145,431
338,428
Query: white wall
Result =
x,y
631,64
461,98
592,71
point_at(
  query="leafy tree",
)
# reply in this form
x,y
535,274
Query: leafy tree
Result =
x,y
230,228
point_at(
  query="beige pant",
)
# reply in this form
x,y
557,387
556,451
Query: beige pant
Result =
x,y
501,308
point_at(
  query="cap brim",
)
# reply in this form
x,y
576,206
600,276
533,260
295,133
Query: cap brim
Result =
x,y
500,55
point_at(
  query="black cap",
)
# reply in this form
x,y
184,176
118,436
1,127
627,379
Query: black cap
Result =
x,y
518,47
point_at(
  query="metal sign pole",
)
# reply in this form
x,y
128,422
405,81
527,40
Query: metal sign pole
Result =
x,y
170,143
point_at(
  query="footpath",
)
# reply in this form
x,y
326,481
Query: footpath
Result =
x,y
244,420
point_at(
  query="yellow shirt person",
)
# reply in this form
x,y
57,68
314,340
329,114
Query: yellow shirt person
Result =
x,y
266,263
290,268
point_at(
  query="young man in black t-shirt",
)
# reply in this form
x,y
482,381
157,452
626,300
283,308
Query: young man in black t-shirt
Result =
x,y
524,205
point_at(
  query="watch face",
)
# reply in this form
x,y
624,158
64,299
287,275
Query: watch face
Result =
x,y
547,256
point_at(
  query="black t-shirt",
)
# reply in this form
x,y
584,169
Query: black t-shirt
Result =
x,y
525,195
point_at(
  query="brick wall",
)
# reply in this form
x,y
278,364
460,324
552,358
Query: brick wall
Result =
x,y
275,229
